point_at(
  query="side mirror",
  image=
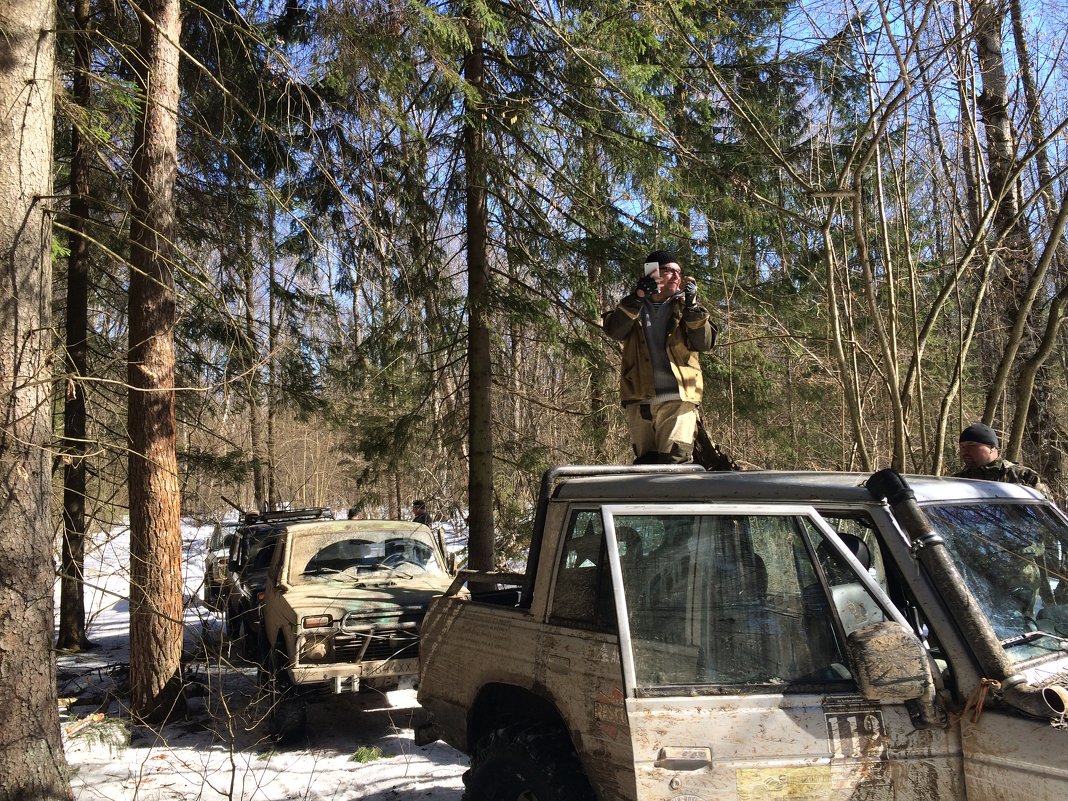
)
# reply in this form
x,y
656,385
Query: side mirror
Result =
x,y
891,664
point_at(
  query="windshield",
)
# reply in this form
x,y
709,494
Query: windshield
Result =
x,y
351,554
1013,558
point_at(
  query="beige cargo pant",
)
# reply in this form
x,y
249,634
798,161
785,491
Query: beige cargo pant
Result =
x,y
667,429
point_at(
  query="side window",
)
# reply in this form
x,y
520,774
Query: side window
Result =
x,y
583,590
264,554
274,570
852,530
853,604
727,599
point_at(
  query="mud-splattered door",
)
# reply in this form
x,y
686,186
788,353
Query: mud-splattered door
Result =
x,y
737,686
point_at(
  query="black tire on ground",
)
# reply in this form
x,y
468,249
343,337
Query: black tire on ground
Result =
x,y
233,631
287,713
231,624
250,644
526,763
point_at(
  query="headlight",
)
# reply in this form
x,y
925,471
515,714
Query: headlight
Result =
x,y
316,649
316,622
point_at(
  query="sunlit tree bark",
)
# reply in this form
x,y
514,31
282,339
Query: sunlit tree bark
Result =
x,y
155,537
32,765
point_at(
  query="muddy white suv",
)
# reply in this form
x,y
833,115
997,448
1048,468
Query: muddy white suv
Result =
x,y
681,635
342,608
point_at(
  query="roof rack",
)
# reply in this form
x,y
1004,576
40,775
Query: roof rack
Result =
x,y
282,515
289,515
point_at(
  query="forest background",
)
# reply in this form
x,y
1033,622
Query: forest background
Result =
x,y
351,252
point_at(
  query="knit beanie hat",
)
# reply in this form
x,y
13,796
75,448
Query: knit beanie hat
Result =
x,y
661,257
983,434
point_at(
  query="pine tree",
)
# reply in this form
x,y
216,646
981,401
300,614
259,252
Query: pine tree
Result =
x,y
31,753
156,620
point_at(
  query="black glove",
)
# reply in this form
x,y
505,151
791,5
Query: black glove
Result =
x,y
690,292
646,285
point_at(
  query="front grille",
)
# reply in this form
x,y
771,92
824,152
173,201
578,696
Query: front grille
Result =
x,y
376,645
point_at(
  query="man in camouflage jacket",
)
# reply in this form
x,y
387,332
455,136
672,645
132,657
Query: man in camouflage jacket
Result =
x,y
982,460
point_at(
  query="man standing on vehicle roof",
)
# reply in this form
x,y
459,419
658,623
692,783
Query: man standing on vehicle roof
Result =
x,y
663,329
982,460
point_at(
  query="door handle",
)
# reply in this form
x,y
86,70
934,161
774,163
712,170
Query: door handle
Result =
x,y
673,758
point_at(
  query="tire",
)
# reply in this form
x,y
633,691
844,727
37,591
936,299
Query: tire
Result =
x,y
526,763
252,645
287,713
231,624
233,635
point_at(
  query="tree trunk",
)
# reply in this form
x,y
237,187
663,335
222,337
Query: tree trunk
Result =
x,y
155,536
259,481
1013,243
993,105
838,342
31,754
272,369
479,360
1043,430
71,634
885,334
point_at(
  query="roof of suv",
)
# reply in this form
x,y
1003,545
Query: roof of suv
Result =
x,y
381,526
765,486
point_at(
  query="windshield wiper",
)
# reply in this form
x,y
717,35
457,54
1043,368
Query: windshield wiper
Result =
x,y
1031,636
393,569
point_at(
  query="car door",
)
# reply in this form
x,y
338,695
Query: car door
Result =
x,y
736,681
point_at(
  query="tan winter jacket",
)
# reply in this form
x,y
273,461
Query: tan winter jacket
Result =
x,y
690,332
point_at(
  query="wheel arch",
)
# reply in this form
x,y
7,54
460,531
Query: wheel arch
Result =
x,y
278,643
275,633
499,705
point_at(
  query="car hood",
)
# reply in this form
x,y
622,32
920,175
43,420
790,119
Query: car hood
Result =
x,y
370,596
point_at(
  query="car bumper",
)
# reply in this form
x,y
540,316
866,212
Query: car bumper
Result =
x,y
347,678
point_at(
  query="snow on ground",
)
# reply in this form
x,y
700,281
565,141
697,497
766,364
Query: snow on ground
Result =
x,y
358,747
